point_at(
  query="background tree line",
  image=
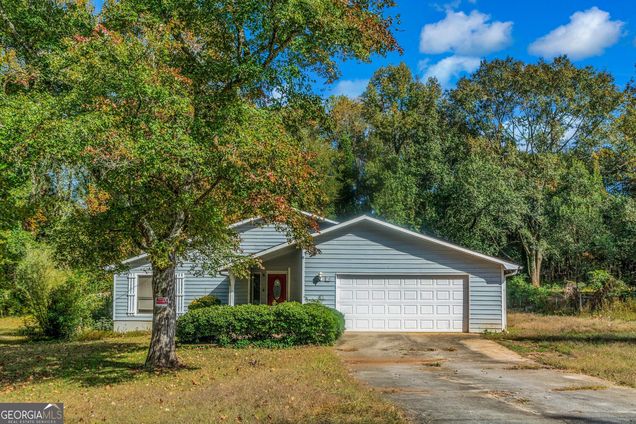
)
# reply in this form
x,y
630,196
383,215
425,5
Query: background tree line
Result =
x,y
532,162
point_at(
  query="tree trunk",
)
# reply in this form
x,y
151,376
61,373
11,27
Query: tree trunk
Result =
x,y
535,258
162,352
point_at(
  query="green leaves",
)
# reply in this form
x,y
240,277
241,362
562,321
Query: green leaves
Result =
x,y
155,129
538,108
525,161
282,325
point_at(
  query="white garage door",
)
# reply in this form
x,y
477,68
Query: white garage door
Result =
x,y
401,303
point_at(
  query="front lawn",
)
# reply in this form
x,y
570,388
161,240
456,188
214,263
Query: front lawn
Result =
x,y
101,381
591,345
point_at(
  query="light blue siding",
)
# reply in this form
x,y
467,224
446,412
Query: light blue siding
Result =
x,y
195,286
356,249
364,248
255,237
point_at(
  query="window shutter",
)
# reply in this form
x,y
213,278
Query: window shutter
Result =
x,y
132,294
180,291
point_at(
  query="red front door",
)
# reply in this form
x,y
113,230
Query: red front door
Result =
x,y
276,288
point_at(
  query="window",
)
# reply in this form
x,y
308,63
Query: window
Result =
x,y
144,294
256,288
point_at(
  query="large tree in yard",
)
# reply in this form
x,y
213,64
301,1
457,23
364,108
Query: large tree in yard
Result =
x,y
167,120
535,115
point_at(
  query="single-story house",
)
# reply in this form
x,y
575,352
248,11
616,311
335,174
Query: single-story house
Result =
x,y
380,276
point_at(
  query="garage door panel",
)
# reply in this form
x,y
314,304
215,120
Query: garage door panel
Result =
x,y
427,294
401,303
378,309
378,295
394,295
426,324
442,309
362,309
424,309
394,324
410,309
378,324
346,309
346,294
443,294
394,309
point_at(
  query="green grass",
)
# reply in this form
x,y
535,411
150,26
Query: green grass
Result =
x,y
102,381
593,345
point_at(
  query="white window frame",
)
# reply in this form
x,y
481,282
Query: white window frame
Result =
x,y
143,273
132,298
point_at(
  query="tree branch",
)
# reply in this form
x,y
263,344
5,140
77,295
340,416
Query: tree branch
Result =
x,y
207,192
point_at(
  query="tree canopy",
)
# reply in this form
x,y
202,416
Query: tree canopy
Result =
x,y
527,161
159,125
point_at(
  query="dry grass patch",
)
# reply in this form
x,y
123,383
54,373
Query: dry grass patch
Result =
x,y
577,388
101,381
590,345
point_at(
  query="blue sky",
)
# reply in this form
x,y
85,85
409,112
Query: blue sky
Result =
x,y
447,39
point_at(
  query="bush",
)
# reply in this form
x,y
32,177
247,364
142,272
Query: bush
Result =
x,y
285,324
523,295
36,277
604,287
54,298
204,302
67,311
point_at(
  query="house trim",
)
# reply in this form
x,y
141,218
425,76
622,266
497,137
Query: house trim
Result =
x,y
231,289
307,214
115,295
504,306
302,276
250,287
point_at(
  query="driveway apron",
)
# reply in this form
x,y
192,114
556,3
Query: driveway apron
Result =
x,y
461,378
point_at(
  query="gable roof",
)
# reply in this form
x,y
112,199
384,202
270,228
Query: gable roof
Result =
x,y
508,266
308,214
238,224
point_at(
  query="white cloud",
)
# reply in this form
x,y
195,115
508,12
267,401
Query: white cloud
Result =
x,y
449,68
350,88
587,34
467,35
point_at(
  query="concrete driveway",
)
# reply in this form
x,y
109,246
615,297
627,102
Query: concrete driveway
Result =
x,y
464,378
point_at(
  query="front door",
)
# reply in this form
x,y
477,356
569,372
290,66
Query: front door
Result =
x,y
276,288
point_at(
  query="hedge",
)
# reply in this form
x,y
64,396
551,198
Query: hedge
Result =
x,y
285,324
204,302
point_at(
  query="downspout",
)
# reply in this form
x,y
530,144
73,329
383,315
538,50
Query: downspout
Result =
x,y
504,293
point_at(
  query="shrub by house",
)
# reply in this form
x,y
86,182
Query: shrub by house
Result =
x,y
285,324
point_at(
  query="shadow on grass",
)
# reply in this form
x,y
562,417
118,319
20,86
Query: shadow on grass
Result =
x,y
90,364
